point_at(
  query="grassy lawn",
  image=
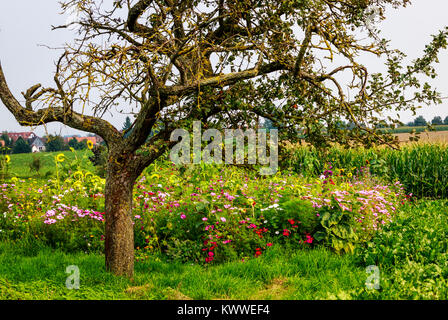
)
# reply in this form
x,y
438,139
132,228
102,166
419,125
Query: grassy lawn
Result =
x,y
411,255
280,274
21,163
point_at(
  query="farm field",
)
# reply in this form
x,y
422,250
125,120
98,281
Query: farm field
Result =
x,y
428,137
308,232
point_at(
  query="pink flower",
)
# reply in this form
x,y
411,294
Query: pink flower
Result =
x,y
204,219
182,216
223,219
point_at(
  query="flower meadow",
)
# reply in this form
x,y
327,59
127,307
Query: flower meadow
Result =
x,y
205,214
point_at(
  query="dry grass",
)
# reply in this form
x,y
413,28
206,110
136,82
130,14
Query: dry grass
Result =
x,y
431,137
276,290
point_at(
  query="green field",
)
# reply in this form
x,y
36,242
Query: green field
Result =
x,y
21,163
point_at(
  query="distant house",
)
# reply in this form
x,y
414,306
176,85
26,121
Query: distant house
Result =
x,y
37,145
25,135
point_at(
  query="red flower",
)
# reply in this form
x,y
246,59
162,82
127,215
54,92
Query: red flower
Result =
x,y
291,221
286,232
269,244
309,238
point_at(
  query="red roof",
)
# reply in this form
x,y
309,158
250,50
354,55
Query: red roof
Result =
x,y
79,139
25,135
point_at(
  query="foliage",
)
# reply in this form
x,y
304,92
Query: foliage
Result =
x,y
206,214
73,143
4,163
99,159
265,64
6,139
55,143
35,164
21,146
437,120
411,253
420,121
421,168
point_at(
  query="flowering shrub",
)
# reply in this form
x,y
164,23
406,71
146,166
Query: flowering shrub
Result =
x,y
203,214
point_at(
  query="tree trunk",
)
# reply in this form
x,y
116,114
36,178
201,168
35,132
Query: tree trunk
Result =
x,y
119,241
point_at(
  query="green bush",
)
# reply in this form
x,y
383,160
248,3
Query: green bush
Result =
x,y
412,253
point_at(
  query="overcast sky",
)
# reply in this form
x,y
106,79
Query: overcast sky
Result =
x,y
25,25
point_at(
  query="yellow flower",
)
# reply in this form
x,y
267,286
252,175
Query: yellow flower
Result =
x,y
8,158
72,150
89,144
60,157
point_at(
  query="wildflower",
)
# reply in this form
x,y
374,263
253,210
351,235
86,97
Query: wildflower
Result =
x,y
182,216
204,219
309,238
60,157
89,144
223,219
8,158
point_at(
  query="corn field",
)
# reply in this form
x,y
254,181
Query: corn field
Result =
x,y
422,168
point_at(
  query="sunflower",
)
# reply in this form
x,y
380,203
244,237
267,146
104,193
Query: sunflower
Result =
x,y
8,158
72,150
89,144
60,157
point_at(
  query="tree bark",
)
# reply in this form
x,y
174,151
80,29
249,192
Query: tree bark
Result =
x,y
119,240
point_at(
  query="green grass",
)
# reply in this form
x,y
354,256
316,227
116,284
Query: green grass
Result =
x,y
411,254
303,274
20,163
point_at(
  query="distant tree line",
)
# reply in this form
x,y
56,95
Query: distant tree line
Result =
x,y
52,143
421,121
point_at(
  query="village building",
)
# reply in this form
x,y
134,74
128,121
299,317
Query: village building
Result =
x,y
27,136
37,145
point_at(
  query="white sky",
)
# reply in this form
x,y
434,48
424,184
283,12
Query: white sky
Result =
x,y
26,24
